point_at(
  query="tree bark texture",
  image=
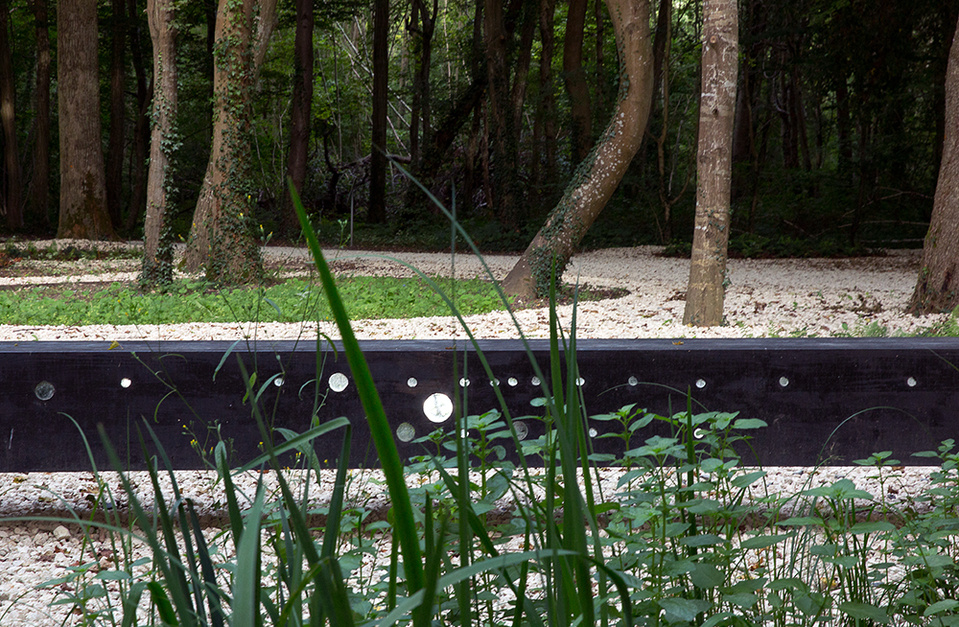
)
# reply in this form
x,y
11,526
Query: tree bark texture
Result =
x,y
40,183
221,239
937,288
378,162
83,209
717,108
157,266
575,78
599,175
11,157
300,129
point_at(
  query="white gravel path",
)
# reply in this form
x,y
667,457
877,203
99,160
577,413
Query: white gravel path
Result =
x,y
766,298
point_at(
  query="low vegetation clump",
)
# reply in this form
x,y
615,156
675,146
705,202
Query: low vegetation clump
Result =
x,y
292,300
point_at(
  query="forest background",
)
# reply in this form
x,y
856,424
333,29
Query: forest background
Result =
x,y
838,130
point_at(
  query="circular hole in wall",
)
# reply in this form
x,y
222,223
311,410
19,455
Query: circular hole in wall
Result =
x,y
338,381
405,432
438,407
44,390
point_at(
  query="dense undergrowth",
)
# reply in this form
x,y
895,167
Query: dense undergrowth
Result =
x,y
689,535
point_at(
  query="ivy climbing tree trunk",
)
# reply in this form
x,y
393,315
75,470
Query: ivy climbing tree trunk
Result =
x,y
157,266
83,208
599,175
717,108
222,241
937,288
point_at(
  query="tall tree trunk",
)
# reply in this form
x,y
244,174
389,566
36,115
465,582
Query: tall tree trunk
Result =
x,y
597,178
83,210
575,77
141,126
545,127
157,266
717,108
503,183
378,162
937,288
300,129
11,157
117,141
221,239
40,196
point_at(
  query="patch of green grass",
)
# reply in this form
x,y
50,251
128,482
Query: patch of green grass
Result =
x,y
293,300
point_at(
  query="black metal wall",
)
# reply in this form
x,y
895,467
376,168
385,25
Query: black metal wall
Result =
x,y
830,399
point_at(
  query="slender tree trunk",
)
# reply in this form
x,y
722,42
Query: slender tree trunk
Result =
x,y
40,196
546,112
502,176
221,239
11,157
707,274
300,129
117,141
597,178
575,77
937,288
83,210
378,162
141,126
157,266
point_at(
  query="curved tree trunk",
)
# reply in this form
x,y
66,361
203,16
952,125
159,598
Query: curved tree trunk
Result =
x,y
83,209
221,239
157,267
598,176
937,288
717,112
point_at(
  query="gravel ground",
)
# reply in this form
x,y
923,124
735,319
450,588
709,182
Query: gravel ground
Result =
x,y
766,298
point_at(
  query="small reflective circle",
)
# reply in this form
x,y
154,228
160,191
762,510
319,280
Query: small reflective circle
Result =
x,y
911,382
464,382
593,432
279,381
698,434
580,381
521,430
494,383
700,383
405,432
438,407
338,381
535,381
411,382
512,382
44,390
632,381
125,382
783,381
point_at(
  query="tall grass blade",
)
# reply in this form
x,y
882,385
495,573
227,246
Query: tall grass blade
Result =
x,y
379,425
